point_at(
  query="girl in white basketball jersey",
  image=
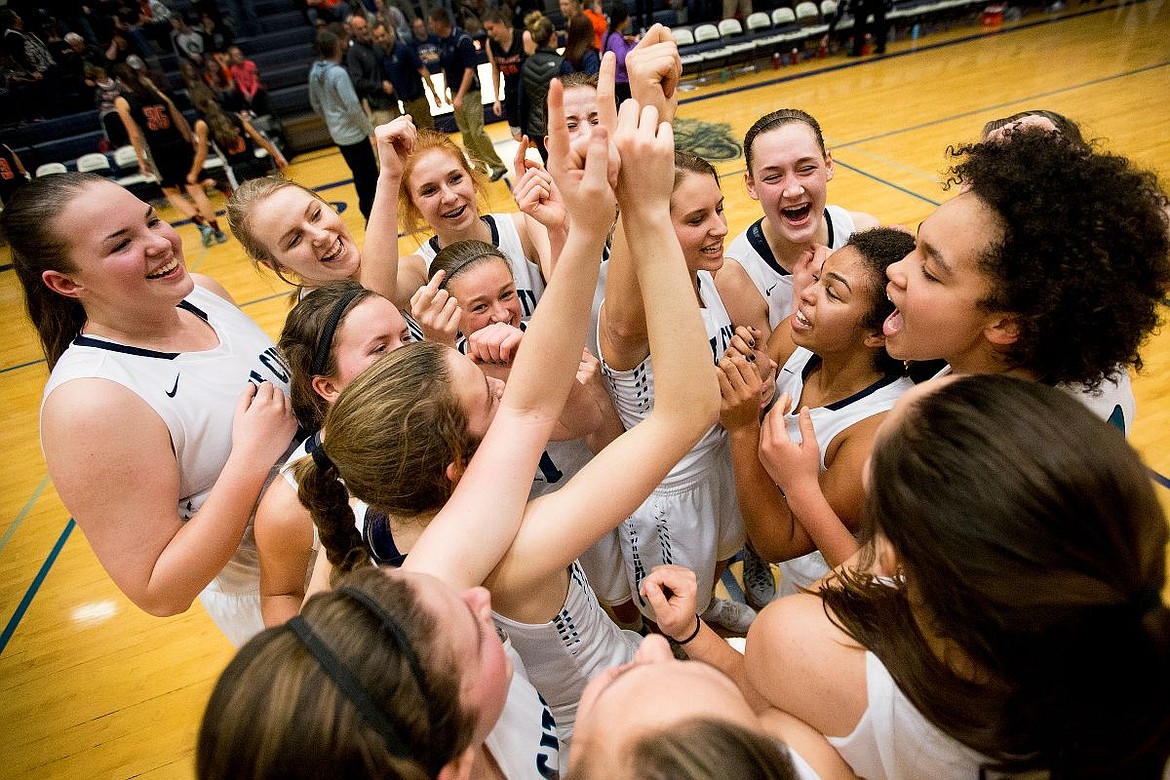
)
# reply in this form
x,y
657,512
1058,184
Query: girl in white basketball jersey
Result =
x,y
473,537
441,193
788,171
329,337
834,390
293,231
1051,264
165,408
1004,616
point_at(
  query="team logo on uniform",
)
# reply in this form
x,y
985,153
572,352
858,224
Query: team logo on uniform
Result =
x,y
174,390
711,141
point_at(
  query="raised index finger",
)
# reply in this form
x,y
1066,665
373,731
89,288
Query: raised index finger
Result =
x,y
606,105
558,129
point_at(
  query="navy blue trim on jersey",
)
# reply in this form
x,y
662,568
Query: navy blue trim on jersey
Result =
x,y
829,225
379,539
755,237
487,219
836,406
86,341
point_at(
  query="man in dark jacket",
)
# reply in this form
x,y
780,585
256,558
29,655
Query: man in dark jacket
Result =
x,y
364,63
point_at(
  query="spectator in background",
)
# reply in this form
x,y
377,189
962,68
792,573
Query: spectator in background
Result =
x,y
332,95
407,75
620,43
216,36
322,12
596,18
364,63
185,40
34,68
247,80
536,74
459,59
580,52
506,54
106,92
425,45
392,16
13,176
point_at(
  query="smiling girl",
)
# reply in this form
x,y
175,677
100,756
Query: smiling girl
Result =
x,y
788,172
292,230
165,408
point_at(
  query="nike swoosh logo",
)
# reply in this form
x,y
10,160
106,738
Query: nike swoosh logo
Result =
x,y
175,389
769,290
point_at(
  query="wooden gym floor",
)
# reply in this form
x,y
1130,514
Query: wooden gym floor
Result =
x,y
92,687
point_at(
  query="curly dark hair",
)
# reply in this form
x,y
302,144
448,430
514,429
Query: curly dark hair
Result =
x,y
1084,261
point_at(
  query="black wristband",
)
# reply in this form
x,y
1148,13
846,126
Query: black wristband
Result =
x,y
695,633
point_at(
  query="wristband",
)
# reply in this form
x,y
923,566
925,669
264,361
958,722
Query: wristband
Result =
x,y
695,633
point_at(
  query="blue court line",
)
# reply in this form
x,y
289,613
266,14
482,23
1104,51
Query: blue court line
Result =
x,y
1161,480
23,513
880,180
1037,96
732,586
6,369
38,580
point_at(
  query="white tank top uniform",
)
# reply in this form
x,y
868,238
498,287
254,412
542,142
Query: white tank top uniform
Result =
x,y
1113,401
750,249
524,740
894,741
560,656
564,654
692,518
195,394
828,421
505,237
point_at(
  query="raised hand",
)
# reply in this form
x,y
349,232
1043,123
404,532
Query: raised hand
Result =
x,y
263,423
495,345
436,311
647,158
536,194
394,141
789,462
654,68
671,590
585,171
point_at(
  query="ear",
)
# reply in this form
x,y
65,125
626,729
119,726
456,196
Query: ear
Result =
x,y
453,472
1002,330
326,388
61,284
459,768
750,184
829,171
874,340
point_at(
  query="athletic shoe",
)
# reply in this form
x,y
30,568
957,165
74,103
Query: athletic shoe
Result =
x,y
498,174
731,616
759,583
220,236
207,234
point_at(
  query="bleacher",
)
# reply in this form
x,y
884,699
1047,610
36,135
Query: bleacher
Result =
x,y
284,54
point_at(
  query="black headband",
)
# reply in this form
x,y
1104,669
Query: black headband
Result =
x,y
325,343
456,268
314,448
350,687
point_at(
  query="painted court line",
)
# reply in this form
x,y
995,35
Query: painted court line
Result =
x,y
23,513
38,580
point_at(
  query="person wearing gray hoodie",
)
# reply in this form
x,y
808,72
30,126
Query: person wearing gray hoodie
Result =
x,y
332,95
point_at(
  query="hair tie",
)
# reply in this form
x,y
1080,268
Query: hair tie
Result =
x,y
349,685
325,342
316,449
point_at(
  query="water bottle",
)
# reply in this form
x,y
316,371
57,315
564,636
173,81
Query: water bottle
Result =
x,y
917,28
795,56
776,61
